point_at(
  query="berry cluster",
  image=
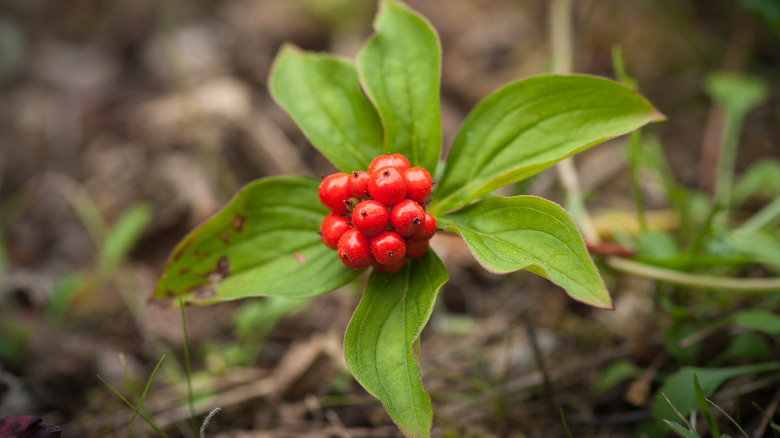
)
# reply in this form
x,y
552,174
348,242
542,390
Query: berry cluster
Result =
x,y
377,216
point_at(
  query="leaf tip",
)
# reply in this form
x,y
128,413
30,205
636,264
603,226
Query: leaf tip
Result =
x,y
288,47
658,116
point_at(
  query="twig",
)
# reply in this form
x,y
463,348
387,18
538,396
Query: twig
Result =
x,y
338,426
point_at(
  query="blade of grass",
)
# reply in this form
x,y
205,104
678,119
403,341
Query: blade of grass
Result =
x,y
734,422
768,214
683,432
565,425
188,372
139,405
144,417
705,408
767,420
682,417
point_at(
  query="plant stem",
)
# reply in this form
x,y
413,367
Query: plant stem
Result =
x,y
561,36
743,285
634,140
188,371
727,159
562,53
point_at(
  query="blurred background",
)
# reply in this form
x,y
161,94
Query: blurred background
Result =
x,y
124,124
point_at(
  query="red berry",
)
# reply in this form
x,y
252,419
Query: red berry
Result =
x,y
387,186
371,217
388,248
395,160
416,248
418,184
358,184
385,269
407,218
353,249
428,229
334,191
332,228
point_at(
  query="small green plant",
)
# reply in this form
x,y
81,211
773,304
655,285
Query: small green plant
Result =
x,y
265,242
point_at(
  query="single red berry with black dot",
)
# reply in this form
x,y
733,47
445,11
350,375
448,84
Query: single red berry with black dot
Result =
x,y
387,186
371,217
353,250
334,191
394,160
358,184
428,229
388,248
332,228
418,184
388,269
407,218
416,248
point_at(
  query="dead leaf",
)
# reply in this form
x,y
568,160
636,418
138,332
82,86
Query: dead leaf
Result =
x,y
27,426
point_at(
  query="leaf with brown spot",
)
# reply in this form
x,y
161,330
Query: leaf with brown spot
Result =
x,y
272,248
237,223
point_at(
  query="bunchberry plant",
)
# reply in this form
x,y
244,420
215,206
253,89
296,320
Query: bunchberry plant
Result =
x,y
379,114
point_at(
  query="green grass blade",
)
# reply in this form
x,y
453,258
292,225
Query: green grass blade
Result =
x,y
705,408
144,417
565,425
677,428
734,422
140,403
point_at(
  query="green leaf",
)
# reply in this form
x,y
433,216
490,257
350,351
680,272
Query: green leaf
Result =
x,y
322,95
744,346
759,320
769,10
614,374
381,344
679,387
760,247
527,232
529,125
400,68
62,293
263,243
737,93
122,236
